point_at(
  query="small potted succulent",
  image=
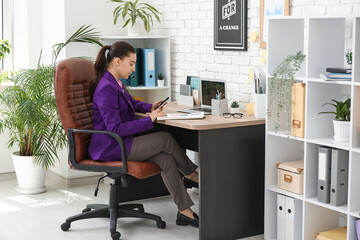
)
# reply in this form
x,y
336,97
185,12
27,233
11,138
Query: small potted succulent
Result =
x,y
132,11
234,107
161,80
342,119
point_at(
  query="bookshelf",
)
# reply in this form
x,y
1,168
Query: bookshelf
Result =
x,y
323,40
161,44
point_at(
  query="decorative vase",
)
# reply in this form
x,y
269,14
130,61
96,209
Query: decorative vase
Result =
x,y
160,82
234,110
341,130
133,30
30,178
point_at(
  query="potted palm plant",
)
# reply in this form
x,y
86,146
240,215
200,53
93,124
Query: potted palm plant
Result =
x,y
131,11
30,114
342,119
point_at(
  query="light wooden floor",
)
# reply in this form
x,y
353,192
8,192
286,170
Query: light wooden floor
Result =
x,y
38,217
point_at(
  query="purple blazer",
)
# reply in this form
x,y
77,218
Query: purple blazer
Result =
x,y
114,111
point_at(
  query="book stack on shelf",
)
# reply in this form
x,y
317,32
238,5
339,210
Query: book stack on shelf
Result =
x,y
337,74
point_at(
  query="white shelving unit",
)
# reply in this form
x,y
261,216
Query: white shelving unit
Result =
x,y
323,41
161,44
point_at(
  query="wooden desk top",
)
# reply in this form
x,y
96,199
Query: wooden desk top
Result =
x,y
207,123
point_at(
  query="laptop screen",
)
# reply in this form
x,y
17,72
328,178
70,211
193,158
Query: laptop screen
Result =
x,y
210,89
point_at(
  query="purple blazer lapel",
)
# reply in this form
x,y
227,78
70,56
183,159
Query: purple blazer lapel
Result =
x,y
111,78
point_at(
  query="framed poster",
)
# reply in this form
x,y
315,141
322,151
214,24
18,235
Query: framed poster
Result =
x,y
271,8
230,25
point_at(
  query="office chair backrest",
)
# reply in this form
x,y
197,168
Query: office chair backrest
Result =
x,y
72,82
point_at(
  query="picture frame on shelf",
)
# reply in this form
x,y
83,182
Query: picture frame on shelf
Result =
x,y
271,8
230,25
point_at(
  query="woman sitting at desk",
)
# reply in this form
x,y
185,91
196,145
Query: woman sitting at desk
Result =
x,y
114,110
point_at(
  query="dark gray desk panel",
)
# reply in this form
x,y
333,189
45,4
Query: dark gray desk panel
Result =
x,y
232,182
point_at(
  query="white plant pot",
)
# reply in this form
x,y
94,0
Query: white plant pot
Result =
x,y
161,83
341,130
30,178
133,30
234,110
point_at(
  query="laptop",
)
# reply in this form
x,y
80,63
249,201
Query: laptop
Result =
x,y
209,89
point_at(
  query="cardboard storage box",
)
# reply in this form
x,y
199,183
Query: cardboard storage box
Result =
x,y
291,176
335,234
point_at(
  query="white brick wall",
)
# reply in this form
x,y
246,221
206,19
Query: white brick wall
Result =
x,y
190,24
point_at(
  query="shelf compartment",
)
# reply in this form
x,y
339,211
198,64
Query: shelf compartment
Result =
x,y
355,116
326,45
283,33
271,215
311,170
318,219
354,180
342,208
291,150
318,93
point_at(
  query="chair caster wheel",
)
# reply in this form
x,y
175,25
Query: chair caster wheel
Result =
x,y
65,226
115,236
161,224
86,210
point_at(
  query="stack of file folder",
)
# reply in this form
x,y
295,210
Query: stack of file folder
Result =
x,y
333,167
144,74
337,74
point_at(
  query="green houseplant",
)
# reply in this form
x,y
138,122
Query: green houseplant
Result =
x,y
131,11
4,49
280,90
30,115
342,119
161,80
234,107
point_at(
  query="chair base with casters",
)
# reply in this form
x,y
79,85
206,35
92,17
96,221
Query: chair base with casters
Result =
x,y
113,211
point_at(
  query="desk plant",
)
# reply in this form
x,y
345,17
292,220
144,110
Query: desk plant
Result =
x,y
280,89
342,119
30,113
161,80
131,11
234,107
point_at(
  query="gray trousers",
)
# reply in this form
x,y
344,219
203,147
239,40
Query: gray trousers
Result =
x,y
161,148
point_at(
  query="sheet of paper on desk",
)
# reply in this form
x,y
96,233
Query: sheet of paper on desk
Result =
x,y
182,116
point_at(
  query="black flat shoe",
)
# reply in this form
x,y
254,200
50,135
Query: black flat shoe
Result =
x,y
183,220
189,183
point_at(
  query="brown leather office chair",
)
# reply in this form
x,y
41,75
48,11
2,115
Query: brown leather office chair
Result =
x,y
72,81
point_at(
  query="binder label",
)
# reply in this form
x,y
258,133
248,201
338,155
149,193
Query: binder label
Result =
x,y
322,166
151,64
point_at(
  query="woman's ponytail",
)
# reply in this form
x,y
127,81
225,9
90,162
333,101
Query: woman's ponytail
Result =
x,y
101,64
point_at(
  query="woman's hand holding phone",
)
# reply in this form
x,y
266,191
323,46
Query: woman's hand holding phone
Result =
x,y
159,104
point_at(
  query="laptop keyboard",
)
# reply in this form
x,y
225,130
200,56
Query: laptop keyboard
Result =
x,y
202,109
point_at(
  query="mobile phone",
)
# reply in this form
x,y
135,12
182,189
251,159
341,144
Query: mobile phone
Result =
x,y
162,103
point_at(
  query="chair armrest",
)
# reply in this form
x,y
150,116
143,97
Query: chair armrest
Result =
x,y
96,168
